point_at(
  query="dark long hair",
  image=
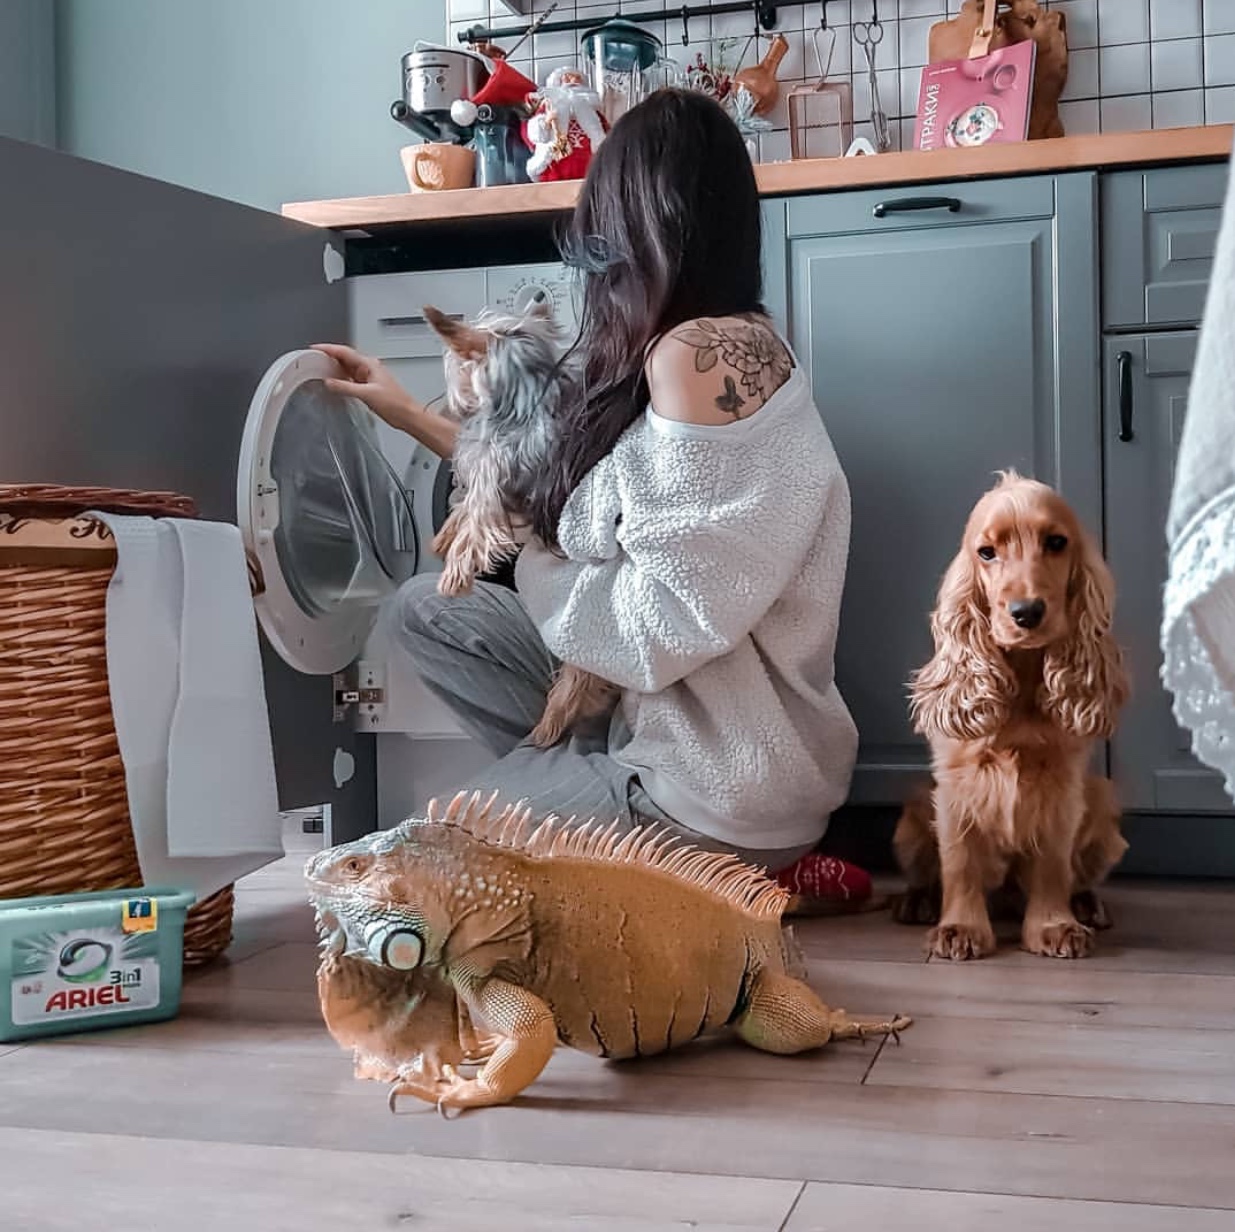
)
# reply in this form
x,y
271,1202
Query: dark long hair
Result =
x,y
667,229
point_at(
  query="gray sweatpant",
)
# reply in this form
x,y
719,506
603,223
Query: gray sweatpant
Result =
x,y
482,655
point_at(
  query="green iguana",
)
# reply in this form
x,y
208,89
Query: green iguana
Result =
x,y
472,936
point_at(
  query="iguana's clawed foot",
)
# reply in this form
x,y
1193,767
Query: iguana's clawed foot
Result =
x,y
450,1090
844,1027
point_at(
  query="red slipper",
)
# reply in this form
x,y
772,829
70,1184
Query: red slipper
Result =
x,y
826,879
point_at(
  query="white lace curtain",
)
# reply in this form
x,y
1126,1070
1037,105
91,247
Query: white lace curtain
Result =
x,y
1198,626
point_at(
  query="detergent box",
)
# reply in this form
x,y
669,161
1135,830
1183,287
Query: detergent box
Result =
x,y
79,962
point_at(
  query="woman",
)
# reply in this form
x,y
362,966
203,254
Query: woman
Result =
x,y
691,544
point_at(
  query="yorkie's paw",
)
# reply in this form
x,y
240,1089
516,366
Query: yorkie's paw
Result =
x,y
454,580
548,732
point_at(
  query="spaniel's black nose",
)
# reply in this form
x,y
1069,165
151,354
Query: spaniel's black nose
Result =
x,y
1027,613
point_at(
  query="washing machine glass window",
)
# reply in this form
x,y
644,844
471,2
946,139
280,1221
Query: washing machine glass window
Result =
x,y
346,531
323,513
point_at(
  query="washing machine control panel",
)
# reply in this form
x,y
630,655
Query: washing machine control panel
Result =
x,y
516,288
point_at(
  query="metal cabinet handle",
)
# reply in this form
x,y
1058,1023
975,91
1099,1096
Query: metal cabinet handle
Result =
x,y
1124,361
906,204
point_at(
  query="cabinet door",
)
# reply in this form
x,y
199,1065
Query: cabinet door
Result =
x,y
940,353
137,320
1146,391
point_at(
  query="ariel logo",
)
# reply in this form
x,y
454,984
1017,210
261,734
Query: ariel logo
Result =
x,y
84,960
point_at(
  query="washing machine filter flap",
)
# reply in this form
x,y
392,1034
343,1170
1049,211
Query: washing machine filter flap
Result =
x,y
324,514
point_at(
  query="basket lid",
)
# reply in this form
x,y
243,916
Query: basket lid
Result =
x,y
53,500
45,524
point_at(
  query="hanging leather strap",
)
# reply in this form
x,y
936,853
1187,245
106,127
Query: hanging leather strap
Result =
x,y
982,36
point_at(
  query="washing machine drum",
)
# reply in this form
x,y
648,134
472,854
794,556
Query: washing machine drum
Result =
x,y
324,514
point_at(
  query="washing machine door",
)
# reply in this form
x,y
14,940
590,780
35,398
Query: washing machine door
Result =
x,y
323,513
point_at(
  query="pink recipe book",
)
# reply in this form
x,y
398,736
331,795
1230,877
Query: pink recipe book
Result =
x,y
975,102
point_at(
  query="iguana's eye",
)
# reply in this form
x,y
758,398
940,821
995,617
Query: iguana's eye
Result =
x,y
354,866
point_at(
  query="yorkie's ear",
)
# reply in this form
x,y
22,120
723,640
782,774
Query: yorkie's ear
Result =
x,y
466,342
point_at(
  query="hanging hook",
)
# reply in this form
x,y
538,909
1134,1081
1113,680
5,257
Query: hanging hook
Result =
x,y
685,26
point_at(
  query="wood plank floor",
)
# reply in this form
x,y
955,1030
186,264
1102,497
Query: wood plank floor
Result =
x,y
1030,1095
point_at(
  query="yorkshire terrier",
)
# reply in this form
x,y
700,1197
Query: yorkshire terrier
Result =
x,y
505,380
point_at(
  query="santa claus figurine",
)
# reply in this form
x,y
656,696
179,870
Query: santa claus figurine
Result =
x,y
565,128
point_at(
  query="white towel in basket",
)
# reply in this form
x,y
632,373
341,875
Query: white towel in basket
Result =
x,y
189,703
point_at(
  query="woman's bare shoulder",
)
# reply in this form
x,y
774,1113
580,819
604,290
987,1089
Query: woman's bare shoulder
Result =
x,y
716,370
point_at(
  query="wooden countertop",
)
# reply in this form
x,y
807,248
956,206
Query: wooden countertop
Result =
x,y
1101,150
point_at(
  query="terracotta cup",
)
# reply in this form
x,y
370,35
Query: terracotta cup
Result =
x,y
433,167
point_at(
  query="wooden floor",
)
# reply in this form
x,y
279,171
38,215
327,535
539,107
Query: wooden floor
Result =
x,y
1030,1095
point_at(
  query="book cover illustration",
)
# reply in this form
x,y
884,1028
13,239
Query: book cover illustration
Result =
x,y
965,103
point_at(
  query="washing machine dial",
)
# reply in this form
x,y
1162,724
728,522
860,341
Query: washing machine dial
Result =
x,y
527,294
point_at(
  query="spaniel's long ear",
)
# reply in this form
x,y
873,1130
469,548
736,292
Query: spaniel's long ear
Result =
x,y
966,689
1084,682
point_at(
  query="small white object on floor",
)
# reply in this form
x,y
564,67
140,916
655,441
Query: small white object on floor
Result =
x,y
189,703
1198,623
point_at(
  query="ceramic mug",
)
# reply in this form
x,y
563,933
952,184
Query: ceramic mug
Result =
x,y
436,166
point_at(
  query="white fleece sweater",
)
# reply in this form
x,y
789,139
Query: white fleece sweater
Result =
x,y
703,574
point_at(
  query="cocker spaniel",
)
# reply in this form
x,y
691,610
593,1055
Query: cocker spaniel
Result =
x,y
1025,677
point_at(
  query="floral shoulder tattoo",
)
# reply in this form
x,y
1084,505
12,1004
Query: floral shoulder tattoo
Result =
x,y
750,348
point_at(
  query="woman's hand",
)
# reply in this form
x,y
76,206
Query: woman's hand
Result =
x,y
371,382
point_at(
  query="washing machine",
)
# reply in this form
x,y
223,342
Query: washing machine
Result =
x,y
338,509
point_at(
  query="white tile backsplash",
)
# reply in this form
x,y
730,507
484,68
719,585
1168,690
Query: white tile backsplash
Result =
x,y
1127,113
1219,18
1174,19
1123,69
1220,60
1082,74
1081,17
1178,108
1220,105
1133,64
1123,21
1177,64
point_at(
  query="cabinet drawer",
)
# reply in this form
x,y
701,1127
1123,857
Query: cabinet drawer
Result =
x,y
921,205
1159,232
387,310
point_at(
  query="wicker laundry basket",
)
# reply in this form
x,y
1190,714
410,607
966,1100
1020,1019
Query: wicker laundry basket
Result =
x,y
64,817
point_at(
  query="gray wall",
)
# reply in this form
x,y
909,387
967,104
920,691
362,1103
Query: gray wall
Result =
x,y
28,70
259,101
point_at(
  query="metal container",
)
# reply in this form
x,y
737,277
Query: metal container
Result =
x,y
433,78
625,63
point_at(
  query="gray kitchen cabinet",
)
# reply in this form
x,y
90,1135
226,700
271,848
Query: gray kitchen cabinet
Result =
x,y
1159,231
1146,392
949,333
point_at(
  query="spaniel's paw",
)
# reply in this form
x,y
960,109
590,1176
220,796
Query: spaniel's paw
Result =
x,y
1063,940
960,942
917,905
1091,910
